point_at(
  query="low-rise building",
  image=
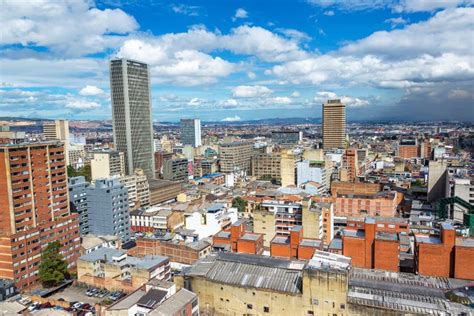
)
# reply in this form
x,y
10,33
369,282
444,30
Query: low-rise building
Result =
x,y
178,252
236,239
210,219
163,190
155,218
229,283
115,270
156,298
295,246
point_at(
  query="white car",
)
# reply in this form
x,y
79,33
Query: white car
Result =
x,y
77,305
33,306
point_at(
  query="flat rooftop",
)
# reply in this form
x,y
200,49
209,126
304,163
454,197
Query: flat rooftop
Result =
x,y
281,240
310,243
427,239
465,242
251,236
354,233
386,236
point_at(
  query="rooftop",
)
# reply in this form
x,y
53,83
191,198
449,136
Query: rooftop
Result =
x,y
118,257
427,239
465,242
386,236
330,262
280,240
251,236
310,243
174,304
250,271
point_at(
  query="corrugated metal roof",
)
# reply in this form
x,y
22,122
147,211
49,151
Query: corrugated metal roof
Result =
x,y
251,271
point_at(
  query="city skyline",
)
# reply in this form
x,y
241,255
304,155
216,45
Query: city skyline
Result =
x,y
408,60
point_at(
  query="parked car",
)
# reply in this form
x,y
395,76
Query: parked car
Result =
x,y
34,306
77,305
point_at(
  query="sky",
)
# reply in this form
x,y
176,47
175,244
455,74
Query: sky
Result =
x,y
241,60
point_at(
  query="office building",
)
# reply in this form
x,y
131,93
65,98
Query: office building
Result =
x,y
235,157
288,168
191,132
334,124
176,169
78,201
107,163
132,115
107,201
138,189
163,190
267,166
34,209
58,130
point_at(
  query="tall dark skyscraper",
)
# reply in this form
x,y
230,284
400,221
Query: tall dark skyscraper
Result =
x,y
191,132
131,114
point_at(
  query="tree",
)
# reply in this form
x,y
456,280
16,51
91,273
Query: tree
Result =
x,y
84,171
239,203
53,267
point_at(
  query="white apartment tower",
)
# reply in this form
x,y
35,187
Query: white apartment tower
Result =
x,y
131,114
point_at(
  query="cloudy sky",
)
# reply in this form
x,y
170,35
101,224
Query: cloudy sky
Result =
x,y
240,60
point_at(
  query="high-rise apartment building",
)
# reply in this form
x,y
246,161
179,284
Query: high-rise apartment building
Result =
x,y
34,209
191,132
58,130
107,163
78,201
131,114
334,124
138,189
108,214
235,157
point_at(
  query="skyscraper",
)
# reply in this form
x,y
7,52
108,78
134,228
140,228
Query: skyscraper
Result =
x,y
58,130
131,114
191,132
334,124
34,209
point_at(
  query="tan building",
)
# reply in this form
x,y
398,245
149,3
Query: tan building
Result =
x,y
288,168
115,270
107,163
163,190
138,189
235,157
58,130
267,166
243,284
334,124
318,221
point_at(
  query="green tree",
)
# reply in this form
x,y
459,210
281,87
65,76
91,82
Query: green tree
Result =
x,y
53,267
84,171
239,203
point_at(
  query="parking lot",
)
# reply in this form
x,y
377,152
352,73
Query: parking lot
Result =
x,y
76,294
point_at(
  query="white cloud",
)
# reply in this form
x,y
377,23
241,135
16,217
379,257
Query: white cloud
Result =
x,y
229,103
428,5
251,91
80,104
294,34
279,100
394,22
295,94
231,119
425,53
196,101
329,13
72,28
240,14
251,75
189,10
322,96
91,91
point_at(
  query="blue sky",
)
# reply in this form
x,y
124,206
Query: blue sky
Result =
x,y
241,60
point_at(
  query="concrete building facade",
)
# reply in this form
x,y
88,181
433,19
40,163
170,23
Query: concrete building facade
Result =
x,y
131,114
107,163
108,206
34,209
235,157
191,132
334,124
78,201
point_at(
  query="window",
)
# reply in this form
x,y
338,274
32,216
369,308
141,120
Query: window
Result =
x,y
310,313
249,306
343,306
266,309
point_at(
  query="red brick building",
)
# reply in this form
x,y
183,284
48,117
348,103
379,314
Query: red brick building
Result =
x,y
236,239
408,148
294,246
34,209
374,243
